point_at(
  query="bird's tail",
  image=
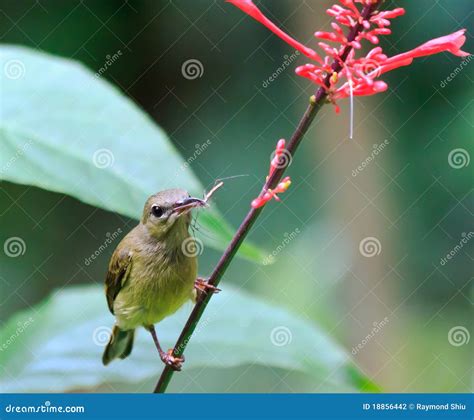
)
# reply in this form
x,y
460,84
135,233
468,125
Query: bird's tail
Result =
x,y
120,345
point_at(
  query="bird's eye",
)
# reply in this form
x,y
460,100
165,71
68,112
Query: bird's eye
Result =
x,y
157,211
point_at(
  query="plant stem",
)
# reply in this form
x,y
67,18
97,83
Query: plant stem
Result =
x,y
315,104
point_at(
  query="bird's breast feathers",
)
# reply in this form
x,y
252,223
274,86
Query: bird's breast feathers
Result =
x,y
156,288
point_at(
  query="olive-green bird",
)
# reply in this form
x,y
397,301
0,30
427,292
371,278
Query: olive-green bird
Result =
x,y
153,272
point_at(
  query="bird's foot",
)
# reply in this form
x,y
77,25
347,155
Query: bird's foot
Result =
x,y
203,286
176,363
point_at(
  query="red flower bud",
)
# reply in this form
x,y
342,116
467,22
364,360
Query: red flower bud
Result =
x,y
281,158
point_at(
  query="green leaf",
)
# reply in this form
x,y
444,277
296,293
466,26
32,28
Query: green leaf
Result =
x,y
57,346
65,130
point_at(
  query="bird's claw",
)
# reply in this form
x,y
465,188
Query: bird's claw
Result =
x,y
176,363
203,286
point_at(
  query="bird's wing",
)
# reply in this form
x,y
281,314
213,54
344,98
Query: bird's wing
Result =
x,y
119,270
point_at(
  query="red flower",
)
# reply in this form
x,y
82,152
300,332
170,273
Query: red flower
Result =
x,y
360,74
281,159
248,7
451,43
280,154
264,198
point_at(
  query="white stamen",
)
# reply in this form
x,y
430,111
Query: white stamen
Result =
x,y
351,126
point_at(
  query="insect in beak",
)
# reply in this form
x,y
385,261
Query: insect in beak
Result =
x,y
183,206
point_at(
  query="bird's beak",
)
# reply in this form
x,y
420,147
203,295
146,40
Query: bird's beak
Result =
x,y
187,204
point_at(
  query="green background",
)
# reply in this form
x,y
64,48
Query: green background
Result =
x,y
409,197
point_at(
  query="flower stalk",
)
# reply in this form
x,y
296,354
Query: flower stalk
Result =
x,y
315,103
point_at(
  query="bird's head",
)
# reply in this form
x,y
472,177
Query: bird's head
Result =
x,y
169,211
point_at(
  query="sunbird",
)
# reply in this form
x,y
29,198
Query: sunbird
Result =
x,y
152,273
